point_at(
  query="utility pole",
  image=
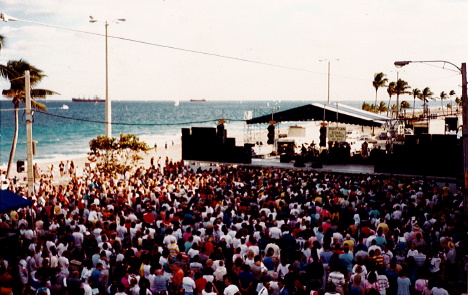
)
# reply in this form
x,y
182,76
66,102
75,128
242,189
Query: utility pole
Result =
x,y
108,102
465,136
328,82
108,111
29,142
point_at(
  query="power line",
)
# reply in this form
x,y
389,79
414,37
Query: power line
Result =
x,y
175,48
135,124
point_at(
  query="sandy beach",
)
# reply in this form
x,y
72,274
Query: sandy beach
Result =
x,y
173,152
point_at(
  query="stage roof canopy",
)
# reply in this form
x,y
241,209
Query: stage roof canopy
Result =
x,y
335,112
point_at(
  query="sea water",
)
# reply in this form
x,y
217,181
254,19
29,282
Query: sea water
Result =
x,y
64,133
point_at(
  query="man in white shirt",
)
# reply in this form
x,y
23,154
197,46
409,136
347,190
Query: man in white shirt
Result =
x,y
275,247
265,289
220,271
230,289
79,237
188,283
169,238
275,232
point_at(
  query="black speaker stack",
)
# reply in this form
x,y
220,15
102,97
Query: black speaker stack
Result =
x,y
424,154
212,145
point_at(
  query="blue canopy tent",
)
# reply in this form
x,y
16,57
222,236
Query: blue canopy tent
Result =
x,y
10,201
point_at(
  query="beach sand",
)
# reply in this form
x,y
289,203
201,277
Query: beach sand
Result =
x,y
173,152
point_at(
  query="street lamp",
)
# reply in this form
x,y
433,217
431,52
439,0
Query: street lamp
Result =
x,y
108,112
462,70
328,76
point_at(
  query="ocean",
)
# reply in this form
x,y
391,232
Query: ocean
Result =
x,y
65,133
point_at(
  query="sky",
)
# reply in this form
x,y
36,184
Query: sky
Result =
x,y
289,44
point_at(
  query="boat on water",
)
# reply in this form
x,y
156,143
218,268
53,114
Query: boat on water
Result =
x,y
198,100
64,107
94,99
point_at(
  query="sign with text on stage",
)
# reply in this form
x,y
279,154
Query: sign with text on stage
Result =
x,y
336,133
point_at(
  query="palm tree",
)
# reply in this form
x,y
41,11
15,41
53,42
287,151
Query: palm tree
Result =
x,y
382,107
366,106
390,91
451,93
415,92
425,95
443,96
14,71
379,81
401,87
405,105
458,101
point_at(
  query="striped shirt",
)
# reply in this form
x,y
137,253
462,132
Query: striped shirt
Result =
x,y
337,278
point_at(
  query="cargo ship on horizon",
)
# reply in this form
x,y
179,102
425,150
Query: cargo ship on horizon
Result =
x,y
95,99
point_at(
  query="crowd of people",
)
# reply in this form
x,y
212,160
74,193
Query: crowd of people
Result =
x,y
180,229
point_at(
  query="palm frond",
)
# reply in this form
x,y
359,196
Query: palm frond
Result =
x,y
42,93
38,106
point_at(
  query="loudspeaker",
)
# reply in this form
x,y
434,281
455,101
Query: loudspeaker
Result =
x,y
204,132
316,165
185,131
285,158
411,140
299,162
452,123
20,166
425,139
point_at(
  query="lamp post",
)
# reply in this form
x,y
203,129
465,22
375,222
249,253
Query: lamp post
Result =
x,y
108,112
462,70
329,61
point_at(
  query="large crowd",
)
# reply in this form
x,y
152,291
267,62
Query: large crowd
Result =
x,y
179,229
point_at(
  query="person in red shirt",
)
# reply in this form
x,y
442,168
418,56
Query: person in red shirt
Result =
x,y
200,282
326,225
177,278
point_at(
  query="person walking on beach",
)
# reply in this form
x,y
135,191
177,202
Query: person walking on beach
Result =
x,y
67,167
61,168
72,169
51,171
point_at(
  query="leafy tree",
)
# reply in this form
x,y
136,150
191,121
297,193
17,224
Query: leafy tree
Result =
x,y
379,81
390,91
119,155
415,92
401,87
14,71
